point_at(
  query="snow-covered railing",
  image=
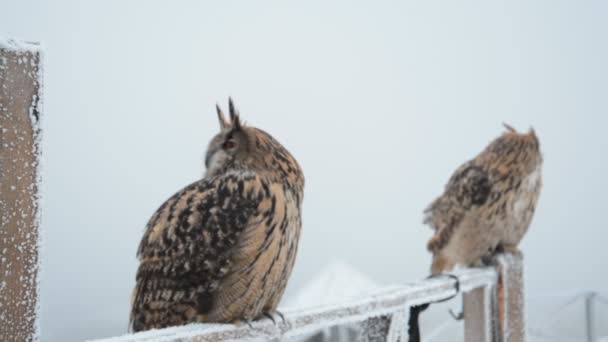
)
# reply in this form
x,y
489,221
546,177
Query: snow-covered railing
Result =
x,y
20,109
493,311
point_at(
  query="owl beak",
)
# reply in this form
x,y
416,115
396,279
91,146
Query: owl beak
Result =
x,y
208,159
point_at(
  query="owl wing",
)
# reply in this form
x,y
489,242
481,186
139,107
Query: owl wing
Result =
x,y
469,186
187,248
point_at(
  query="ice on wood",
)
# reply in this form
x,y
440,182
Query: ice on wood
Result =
x,y
20,108
511,313
19,46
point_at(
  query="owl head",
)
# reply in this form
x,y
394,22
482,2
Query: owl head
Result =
x,y
244,148
515,149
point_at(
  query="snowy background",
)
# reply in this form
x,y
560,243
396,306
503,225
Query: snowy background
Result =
x,y
379,101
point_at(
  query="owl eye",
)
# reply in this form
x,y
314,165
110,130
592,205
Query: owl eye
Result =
x,y
229,145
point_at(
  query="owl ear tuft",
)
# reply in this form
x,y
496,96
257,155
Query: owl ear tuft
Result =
x,y
532,133
509,128
234,115
222,118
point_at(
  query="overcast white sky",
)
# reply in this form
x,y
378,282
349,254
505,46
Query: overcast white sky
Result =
x,y
379,101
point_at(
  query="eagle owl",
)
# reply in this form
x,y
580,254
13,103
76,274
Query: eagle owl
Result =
x,y
222,248
487,204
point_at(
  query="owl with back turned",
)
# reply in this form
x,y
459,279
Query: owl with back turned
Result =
x,y
222,248
487,204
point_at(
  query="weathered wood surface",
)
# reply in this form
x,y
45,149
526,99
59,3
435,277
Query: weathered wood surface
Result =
x,y
497,313
479,315
19,114
510,298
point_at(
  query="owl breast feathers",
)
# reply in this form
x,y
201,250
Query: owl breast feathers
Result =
x,y
487,204
222,248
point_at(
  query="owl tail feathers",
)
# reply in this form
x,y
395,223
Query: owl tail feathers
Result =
x,y
415,311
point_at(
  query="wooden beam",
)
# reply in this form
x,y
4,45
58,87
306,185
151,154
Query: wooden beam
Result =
x,y
479,316
510,298
20,107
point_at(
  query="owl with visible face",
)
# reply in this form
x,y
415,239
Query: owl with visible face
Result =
x,y
488,203
222,248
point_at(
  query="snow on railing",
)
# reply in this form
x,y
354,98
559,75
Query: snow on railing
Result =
x,y
493,309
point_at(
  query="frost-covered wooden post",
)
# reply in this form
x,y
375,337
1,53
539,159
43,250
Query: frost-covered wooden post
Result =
x,y
496,313
510,298
20,104
479,317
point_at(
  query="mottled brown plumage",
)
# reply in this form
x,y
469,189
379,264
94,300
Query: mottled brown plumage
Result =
x,y
222,248
487,204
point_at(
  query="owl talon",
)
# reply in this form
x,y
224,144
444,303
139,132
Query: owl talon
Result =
x,y
280,314
269,316
507,249
486,260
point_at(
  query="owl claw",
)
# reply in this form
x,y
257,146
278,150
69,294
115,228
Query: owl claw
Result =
x,y
507,249
269,316
280,314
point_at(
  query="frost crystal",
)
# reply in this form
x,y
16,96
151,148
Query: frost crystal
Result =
x,y
20,108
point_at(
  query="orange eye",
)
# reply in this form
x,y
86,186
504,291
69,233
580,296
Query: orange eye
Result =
x,y
228,145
